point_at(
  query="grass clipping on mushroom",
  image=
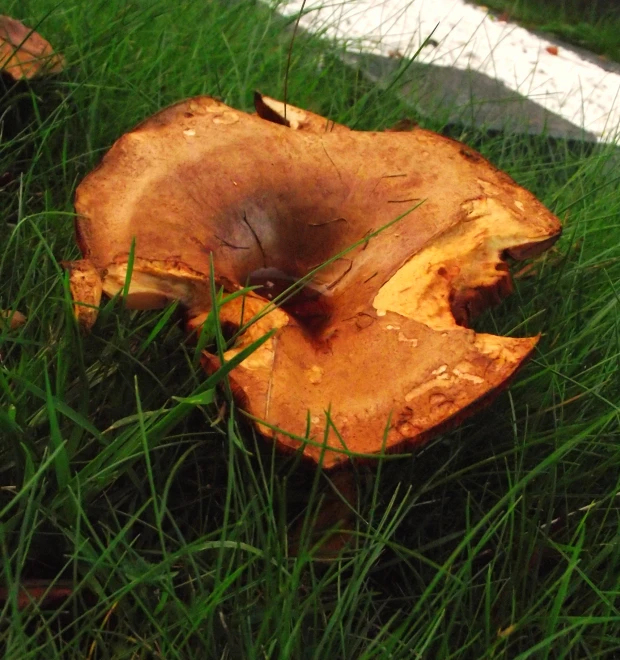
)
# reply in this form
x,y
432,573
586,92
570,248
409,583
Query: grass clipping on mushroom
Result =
x,y
378,340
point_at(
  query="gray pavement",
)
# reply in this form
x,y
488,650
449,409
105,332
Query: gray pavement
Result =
x,y
467,98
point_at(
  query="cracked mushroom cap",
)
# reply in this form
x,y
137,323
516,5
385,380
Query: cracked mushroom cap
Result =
x,y
25,54
378,340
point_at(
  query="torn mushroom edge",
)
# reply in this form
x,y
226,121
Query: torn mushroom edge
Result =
x,y
270,110
335,459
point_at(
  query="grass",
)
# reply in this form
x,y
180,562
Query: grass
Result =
x,y
590,24
125,481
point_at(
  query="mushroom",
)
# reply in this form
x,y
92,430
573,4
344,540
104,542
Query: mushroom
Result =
x,y
395,240
24,54
27,64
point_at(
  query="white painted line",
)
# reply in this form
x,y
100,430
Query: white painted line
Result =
x,y
467,37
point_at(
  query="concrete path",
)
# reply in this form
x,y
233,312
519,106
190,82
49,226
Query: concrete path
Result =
x,y
473,67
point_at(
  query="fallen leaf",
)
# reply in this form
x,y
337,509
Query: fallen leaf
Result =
x,y
41,592
506,632
15,319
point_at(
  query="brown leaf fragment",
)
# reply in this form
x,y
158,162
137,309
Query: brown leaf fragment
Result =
x,y
381,332
25,54
39,592
502,633
12,318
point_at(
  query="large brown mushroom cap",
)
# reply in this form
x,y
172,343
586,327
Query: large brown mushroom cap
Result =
x,y
379,340
25,54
